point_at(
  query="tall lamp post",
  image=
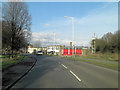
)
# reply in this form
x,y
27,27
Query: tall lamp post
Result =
x,y
72,18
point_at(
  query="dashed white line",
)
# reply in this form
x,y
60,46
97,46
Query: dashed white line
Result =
x,y
64,66
75,76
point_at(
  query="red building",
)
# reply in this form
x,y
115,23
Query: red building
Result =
x,y
67,51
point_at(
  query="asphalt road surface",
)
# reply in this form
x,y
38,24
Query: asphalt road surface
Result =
x,y
55,72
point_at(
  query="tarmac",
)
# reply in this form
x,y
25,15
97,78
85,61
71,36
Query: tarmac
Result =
x,y
13,74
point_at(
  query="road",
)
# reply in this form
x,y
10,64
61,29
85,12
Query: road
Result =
x,y
56,72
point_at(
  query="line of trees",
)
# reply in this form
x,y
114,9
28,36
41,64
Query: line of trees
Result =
x,y
16,22
108,43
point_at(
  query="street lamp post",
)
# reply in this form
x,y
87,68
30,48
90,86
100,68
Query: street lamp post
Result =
x,y
72,18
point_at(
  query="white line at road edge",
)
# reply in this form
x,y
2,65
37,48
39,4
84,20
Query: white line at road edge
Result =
x,y
75,76
64,66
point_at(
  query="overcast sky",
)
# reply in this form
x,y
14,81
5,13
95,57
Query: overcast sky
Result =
x,y
89,18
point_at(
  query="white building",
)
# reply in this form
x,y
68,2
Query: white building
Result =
x,y
31,50
55,49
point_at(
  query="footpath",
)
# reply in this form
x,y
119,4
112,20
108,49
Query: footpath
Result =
x,y
13,74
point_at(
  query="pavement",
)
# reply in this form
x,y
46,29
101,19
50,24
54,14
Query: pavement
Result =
x,y
56,72
13,74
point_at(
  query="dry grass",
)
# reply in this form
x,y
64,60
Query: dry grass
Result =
x,y
106,56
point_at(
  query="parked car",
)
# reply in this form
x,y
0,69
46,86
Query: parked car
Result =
x,y
39,53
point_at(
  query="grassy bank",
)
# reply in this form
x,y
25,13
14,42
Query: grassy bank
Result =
x,y
6,62
99,63
105,56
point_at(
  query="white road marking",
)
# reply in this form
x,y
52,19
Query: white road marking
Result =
x,y
72,73
64,66
75,76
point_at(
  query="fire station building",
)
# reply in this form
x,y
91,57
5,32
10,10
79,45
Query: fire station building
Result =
x,y
69,51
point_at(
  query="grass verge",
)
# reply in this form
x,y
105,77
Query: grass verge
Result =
x,y
4,56
106,56
99,63
7,63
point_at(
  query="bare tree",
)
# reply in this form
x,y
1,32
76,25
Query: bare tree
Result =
x,y
16,19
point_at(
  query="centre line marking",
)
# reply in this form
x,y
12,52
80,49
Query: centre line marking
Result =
x,y
75,76
64,66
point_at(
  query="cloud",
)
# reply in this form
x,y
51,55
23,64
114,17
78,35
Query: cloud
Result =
x,y
46,25
41,36
48,39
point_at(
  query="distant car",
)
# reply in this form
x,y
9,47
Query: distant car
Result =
x,y
39,53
